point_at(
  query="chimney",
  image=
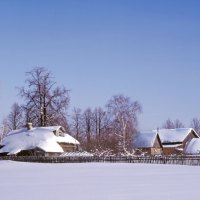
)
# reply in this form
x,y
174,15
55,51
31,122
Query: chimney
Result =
x,y
29,125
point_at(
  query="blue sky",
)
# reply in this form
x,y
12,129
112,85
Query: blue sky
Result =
x,y
148,50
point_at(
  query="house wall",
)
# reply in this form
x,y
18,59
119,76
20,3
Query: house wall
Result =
x,y
157,144
156,151
149,151
157,147
169,150
31,152
172,150
4,154
68,147
36,152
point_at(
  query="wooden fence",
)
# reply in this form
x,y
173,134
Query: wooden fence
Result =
x,y
177,160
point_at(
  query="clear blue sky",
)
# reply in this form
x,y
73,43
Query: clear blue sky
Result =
x,y
148,50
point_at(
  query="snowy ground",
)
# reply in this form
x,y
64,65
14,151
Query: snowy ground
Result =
x,y
98,181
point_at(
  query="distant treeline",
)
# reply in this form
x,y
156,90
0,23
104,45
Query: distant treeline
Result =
x,y
108,129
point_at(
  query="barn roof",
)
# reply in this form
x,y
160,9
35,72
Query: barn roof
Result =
x,y
41,137
174,135
144,140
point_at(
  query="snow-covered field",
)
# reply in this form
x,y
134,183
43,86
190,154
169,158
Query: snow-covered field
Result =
x,y
98,181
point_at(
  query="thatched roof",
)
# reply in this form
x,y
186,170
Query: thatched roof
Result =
x,y
38,137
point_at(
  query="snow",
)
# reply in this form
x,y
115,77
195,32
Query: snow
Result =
x,y
77,154
144,140
98,181
173,135
172,145
41,137
193,147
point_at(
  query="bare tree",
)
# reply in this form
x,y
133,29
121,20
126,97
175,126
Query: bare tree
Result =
x,y
101,124
178,124
77,123
45,104
124,114
195,123
169,124
91,128
4,129
88,128
15,119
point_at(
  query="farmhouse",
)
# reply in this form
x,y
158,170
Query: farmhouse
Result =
x,y
45,141
147,143
168,141
174,140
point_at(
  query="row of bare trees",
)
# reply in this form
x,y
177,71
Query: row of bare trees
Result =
x,y
102,129
170,124
107,129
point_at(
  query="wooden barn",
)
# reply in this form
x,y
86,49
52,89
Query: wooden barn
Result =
x,y
147,143
40,141
174,140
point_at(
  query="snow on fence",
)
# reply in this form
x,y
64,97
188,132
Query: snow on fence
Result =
x,y
77,154
177,160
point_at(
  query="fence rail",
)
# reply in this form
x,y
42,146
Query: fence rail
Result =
x,y
176,160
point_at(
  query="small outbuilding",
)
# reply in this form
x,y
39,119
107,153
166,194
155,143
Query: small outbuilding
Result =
x,y
147,143
43,141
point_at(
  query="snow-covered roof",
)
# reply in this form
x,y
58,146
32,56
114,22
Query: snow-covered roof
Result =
x,y
41,137
174,135
193,147
144,140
